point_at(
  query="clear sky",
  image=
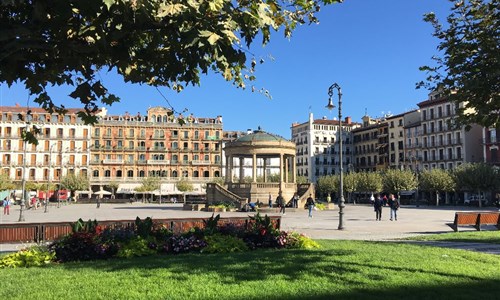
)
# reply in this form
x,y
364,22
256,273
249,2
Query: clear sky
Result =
x,y
371,48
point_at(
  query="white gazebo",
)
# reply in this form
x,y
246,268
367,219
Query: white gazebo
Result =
x,y
259,148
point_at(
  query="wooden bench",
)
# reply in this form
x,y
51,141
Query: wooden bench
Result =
x,y
476,219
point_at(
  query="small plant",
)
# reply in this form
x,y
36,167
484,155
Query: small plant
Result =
x,y
136,247
219,243
320,206
144,228
297,240
182,244
36,256
82,226
211,224
76,246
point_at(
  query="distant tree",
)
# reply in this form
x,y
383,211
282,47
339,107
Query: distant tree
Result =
x,y
370,182
148,185
302,179
327,184
395,181
467,67
6,183
351,183
155,42
74,183
113,186
437,180
218,180
478,177
184,186
32,186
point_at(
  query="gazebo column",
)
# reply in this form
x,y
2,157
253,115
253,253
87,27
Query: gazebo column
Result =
x,y
294,169
230,171
281,167
265,169
286,169
226,168
254,167
242,171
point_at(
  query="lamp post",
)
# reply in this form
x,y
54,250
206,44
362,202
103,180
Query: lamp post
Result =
x,y
48,184
330,106
23,179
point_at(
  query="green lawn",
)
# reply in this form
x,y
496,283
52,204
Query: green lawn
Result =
x,y
339,270
491,236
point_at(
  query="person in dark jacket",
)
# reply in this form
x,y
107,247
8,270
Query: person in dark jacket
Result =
x,y
378,204
394,205
280,201
310,205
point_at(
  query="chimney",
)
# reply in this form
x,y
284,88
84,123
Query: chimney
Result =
x,y
348,120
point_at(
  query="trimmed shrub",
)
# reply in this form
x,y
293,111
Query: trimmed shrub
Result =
x,y
36,256
218,243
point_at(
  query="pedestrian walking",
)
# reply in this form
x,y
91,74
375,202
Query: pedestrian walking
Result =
x,y
295,200
6,206
270,201
280,201
394,205
310,205
98,199
378,203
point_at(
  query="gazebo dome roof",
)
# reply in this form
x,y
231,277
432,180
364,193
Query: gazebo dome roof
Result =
x,y
260,136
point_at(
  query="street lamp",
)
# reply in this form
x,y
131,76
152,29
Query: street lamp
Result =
x,y
48,184
330,106
23,179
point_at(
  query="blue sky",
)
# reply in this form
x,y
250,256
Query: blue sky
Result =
x,y
371,48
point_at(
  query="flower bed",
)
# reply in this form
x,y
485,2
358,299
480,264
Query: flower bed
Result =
x,y
90,241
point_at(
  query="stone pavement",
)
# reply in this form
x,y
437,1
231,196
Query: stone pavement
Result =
x,y
359,220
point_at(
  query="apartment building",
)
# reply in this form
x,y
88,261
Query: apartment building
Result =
x,y
63,144
396,149
127,148
443,145
491,145
413,140
365,143
318,146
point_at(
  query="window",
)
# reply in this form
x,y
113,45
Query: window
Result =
x,y
130,173
107,173
95,173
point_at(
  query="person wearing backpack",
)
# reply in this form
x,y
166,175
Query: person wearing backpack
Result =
x,y
6,206
394,205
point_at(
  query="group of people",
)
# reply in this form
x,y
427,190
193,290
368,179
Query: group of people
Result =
x,y
382,201
281,204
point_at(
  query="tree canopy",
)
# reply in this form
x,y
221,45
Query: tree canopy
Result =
x,y
396,181
165,43
467,68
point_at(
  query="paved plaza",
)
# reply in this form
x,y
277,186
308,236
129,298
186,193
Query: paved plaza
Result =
x,y
359,220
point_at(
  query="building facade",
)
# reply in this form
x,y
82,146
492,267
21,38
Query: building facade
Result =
x,y
63,144
444,146
127,148
318,146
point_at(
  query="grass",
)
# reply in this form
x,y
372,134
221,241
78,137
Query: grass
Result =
x,y
491,237
339,270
